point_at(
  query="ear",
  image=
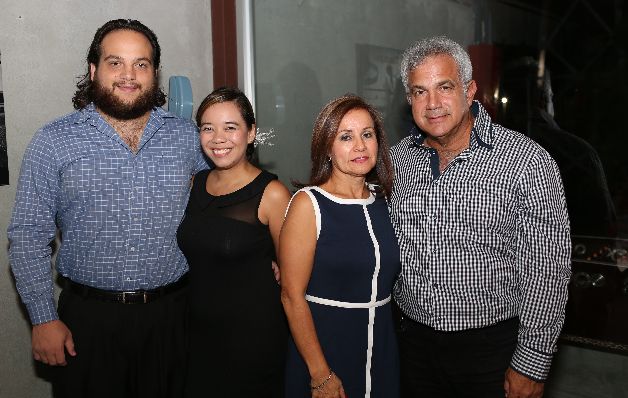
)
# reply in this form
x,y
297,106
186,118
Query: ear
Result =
x,y
92,71
471,92
252,132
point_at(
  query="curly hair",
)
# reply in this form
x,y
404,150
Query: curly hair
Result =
x,y
83,95
420,50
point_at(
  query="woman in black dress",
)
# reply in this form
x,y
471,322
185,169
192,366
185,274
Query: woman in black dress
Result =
x,y
238,331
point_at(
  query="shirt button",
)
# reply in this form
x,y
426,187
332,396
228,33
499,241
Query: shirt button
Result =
x,y
136,218
132,248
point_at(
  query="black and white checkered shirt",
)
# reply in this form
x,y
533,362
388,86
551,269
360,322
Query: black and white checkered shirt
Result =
x,y
484,241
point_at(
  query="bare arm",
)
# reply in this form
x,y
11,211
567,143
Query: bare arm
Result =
x,y
297,244
272,210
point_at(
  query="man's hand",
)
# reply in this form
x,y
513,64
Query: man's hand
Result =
x,y
518,386
50,340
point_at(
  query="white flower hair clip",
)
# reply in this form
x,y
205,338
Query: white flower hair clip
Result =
x,y
264,137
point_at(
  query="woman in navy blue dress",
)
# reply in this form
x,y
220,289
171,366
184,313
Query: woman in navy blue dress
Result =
x,y
339,259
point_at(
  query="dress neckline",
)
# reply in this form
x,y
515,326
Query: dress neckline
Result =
x,y
345,201
205,199
242,188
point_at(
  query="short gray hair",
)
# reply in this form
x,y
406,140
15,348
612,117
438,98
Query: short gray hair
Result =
x,y
438,45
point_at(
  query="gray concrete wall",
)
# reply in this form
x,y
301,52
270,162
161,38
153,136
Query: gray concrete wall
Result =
x,y
43,47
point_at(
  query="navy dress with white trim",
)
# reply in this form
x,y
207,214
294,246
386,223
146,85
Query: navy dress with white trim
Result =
x,y
355,265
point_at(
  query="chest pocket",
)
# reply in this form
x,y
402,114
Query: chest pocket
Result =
x,y
167,174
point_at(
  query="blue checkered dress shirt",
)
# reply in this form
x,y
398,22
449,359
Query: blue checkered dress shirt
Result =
x,y
484,241
117,211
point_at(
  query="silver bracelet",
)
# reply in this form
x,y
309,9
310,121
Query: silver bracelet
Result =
x,y
318,387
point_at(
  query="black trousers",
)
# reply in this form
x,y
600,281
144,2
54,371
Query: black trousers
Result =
x,y
124,350
469,363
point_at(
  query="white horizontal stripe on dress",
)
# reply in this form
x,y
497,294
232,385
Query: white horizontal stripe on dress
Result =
x,y
346,304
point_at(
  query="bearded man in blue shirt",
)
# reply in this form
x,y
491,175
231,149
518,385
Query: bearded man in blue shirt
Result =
x,y
114,178
481,219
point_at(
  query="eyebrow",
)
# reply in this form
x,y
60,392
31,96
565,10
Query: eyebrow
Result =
x,y
447,81
227,122
117,57
351,131
438,84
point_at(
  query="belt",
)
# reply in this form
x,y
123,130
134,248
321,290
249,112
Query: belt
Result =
x,y
125,297
346,304
409,323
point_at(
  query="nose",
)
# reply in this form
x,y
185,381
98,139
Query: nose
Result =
x,y
219,136
360,145
128,72
433,99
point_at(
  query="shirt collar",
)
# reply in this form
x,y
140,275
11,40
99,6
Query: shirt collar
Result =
x,y
90,112
90,115
481,133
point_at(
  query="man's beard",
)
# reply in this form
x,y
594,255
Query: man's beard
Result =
x,y
105,100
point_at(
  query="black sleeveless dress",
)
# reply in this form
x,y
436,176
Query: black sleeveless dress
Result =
x,y
238,330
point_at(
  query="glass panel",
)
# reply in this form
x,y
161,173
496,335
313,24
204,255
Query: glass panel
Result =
x,y
309,52
564,87
554,70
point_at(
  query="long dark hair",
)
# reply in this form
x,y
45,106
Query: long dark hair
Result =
x,y
230,94
324,134
83,95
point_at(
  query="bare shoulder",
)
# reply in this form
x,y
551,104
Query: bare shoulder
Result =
x,y
300,224
275,191
301,205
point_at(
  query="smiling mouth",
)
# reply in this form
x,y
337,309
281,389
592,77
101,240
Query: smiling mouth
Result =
x,y
127,87
222,151
361,159
435,117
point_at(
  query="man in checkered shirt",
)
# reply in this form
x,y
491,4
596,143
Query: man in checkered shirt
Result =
x,y
481,218
114,177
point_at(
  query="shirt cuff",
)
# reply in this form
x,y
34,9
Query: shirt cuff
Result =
x,y
42,311
531,363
